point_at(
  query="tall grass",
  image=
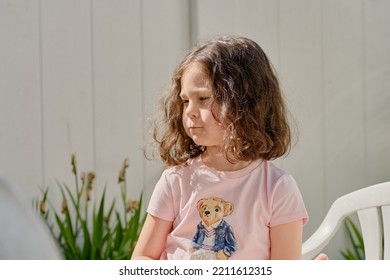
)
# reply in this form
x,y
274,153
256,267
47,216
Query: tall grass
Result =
x,y
91,230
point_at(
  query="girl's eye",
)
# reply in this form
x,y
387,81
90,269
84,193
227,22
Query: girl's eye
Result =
x,y
204,100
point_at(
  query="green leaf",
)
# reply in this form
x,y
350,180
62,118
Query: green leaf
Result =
x,y
355,240
98,223
118,232
68,239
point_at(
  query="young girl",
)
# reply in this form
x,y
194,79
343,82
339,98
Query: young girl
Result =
x,y
221,197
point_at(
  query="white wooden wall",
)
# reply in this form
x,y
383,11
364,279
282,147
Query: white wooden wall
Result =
x,y
83,76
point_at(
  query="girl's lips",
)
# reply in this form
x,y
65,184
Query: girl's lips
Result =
x,y
194,129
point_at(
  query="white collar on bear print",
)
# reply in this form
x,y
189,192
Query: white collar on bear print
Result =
x,y
212,226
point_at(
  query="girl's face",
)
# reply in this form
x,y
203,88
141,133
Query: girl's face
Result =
x,y
198,120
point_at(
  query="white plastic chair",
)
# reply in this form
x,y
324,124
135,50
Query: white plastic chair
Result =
x,y
372,205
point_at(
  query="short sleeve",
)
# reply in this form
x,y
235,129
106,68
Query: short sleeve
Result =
x,y
287,203
161,202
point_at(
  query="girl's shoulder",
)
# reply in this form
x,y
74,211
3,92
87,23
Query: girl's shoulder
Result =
x,y
277,175
190,165
274,170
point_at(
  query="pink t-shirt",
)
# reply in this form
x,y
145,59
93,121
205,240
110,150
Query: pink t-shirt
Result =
x,y
229,211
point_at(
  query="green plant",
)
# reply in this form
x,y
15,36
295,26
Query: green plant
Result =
x,y
354,240
99,233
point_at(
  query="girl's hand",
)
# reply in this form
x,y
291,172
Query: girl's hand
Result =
x,y
322,257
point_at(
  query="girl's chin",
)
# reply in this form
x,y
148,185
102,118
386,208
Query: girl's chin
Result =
x,y
201,142
197,140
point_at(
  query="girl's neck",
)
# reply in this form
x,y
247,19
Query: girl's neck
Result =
x,y
214,158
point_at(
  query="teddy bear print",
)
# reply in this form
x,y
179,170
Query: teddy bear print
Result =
x,y
214,238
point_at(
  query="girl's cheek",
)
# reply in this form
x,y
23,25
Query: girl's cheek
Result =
x,y
218,113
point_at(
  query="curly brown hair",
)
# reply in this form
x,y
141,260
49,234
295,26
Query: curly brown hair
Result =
x,y
247,99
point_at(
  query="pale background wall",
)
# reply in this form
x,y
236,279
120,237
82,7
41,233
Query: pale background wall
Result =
x,y
83,76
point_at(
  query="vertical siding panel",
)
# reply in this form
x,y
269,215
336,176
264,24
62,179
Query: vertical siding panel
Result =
x,y
215,17
20,96
344,102
257,20
165,39
377,71
118,93
67,94
344,97
301,72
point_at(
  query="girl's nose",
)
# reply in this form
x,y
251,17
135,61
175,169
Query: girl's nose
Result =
x,y
191,110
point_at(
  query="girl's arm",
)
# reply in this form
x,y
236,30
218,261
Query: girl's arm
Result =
x,y
286,241
152,239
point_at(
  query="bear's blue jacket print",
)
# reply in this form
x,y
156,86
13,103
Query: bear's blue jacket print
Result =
x,y
224,238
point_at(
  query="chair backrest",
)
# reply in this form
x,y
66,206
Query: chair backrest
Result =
x,y
23,234
372,205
